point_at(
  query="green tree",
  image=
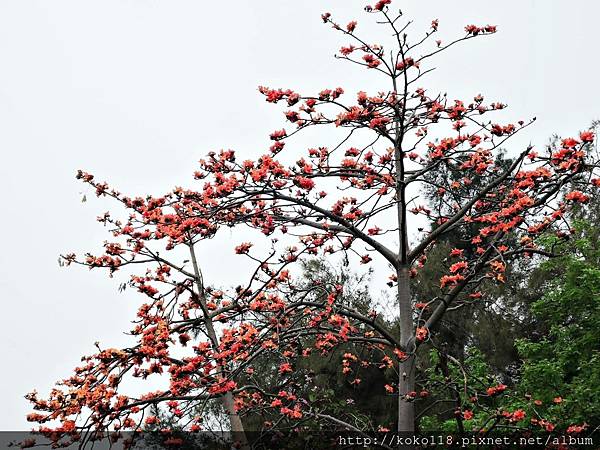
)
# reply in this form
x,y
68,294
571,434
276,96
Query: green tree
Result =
x,y
561,368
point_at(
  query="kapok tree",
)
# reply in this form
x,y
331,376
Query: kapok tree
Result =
x,y
355,198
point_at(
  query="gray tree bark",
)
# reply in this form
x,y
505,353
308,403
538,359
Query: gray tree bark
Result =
x,y
235,422
406,375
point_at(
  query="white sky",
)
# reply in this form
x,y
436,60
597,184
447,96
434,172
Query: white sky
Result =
x,y
136,91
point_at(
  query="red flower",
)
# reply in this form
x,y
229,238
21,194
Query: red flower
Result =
x,y
378,122
292,116
496,389
475,140
472,29
365,259
569,142
577,196
519,414
304,183
374,231
457,267
449,280
324,94
586,136
243,248
293,413
151,420
347,50
371,61
285,368
574,429
456,252
421,333
381,4
405,64
277,147
351,26
467,414
278,135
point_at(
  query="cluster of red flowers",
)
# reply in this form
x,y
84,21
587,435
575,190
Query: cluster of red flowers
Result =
x,y
495,390
275,95
577,196
475,30
371,60
450,280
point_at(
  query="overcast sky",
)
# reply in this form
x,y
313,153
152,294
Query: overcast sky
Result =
x,y
136,91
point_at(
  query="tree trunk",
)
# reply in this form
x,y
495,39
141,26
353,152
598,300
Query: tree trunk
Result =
x,y
406,406
237,428
235,422
406,374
